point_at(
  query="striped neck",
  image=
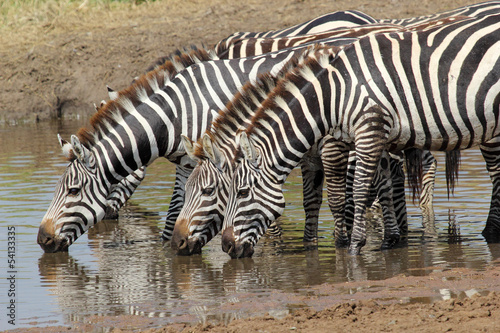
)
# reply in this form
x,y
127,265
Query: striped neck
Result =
x,y
133,129
292,119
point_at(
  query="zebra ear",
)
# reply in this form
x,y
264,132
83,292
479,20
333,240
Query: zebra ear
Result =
x,y
189,147
81,153
211,151
112,93
67,149
248,149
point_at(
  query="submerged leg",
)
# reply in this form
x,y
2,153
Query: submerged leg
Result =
x,y
398,191
429,166
491,154
312,178
384,189
370,141
181,176
335,155
121,192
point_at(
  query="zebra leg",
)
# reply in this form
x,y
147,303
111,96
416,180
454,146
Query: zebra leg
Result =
x,y
122,191
335,155
312,178
371,133
429,166
383,185
491,154
174,209
398,191
349,201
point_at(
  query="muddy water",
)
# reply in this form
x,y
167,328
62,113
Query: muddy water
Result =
x,y
121,267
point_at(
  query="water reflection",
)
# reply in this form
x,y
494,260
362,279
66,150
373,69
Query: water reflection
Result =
x,y
121,268
133,274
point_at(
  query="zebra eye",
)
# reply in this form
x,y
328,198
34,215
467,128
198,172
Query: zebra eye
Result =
x,y
208,191
74,191
242,193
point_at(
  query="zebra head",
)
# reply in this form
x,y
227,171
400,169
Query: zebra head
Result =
x,y
205,199
255,200
79,200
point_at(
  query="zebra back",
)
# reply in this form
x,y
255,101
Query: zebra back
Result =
x,y
475,10
330,21
244,47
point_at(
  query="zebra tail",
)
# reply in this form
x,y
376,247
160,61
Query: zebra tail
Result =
x,y
452,166
414,171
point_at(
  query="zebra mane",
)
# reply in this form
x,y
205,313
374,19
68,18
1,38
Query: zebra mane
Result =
x,y
305,68
230,119
165,69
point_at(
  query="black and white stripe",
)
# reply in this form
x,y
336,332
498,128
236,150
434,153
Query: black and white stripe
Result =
x,y
145,122
435,89
327,22
206,189
474,10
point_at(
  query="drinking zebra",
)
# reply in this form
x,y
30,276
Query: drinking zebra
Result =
x,y
335,21
325,27
142,123
436,89
203,213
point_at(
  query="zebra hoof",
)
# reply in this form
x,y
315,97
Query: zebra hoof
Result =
x,y
491,235
389,242
354,251
342,243
355,248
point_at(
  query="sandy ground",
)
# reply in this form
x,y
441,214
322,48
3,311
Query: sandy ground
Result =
x,y
59,68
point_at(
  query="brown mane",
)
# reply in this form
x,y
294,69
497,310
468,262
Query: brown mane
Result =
x,y
160,76
281,88
230,118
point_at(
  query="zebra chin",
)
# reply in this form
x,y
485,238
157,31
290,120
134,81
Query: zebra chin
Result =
x,y
234,248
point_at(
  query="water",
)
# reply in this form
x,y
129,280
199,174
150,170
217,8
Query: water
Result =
x,y
121,268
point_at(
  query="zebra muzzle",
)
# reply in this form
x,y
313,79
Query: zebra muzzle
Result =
x,y
184,245
234,248
49,243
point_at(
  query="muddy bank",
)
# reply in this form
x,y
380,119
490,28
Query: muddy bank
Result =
x,y
61,67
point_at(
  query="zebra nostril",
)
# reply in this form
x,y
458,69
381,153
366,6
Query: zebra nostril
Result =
x,y
182,244
230,249
46,242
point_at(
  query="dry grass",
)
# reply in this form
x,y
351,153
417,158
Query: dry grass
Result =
x,y
33,21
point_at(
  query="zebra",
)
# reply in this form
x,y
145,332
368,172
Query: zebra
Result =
x,y
225,50
326,22
436,89
474,10
142,123
202,215
251,46
332,25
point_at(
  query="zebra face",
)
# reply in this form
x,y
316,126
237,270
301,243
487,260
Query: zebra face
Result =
x,y
202,214
79,201
255,200
205,199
